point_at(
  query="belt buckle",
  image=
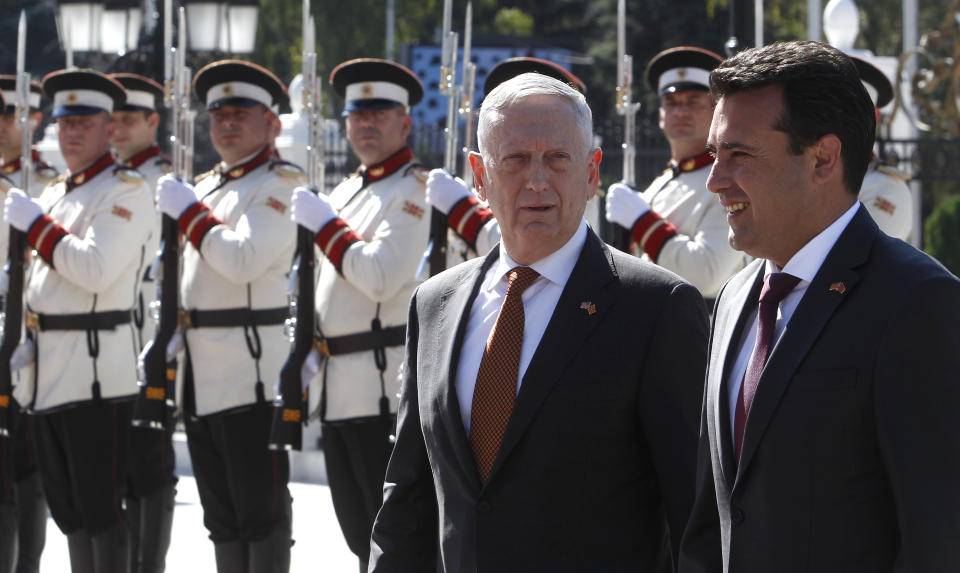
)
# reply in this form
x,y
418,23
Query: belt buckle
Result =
x,y
183,319
32,321
321,346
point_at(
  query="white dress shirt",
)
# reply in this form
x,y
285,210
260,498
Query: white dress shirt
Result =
x,y
539,301
804,265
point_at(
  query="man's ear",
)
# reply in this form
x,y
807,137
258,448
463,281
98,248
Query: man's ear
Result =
x,y
476,163
153,120
826,155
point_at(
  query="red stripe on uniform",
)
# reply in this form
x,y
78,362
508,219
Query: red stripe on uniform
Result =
x,y
342,236
651,231
44,235
202,227
469,228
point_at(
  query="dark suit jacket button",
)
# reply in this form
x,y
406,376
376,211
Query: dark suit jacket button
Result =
x,y
483,507
737,516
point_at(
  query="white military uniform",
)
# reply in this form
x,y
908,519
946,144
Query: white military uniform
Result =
x,y
242,263
700,252
96,267
887,198
153,165
393,219
41,175
487,237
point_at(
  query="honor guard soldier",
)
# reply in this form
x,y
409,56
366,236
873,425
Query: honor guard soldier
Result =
x,y
88,231
884,192
151,483
239,242
31,506
372,230
676,222
42,174
474,230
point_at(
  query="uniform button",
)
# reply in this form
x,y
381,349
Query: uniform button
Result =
x,y
483,507
737,516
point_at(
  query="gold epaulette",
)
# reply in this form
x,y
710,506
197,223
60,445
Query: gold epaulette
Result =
x,y
419,171
128,174
893,172
287,169
203,176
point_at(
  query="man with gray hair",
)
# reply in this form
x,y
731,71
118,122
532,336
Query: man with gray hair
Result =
x,y
527,439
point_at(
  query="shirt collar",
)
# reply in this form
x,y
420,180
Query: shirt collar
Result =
x,y
808,260
556,266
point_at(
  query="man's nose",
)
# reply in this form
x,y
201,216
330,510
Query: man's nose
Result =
x,y
537,175
719,178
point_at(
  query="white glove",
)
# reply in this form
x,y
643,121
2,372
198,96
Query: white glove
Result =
x,y
625,206
174,196
444,191
311,210
309,371
20,210
23,355
173,348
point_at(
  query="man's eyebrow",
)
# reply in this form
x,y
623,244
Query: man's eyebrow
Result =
x,y
713,147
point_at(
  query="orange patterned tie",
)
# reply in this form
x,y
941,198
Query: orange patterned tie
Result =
x,y
496,388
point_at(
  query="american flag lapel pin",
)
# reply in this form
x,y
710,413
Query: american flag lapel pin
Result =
x,y
588,306
838,288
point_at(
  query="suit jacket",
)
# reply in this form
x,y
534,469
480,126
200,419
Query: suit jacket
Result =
x,y
851,453
596,466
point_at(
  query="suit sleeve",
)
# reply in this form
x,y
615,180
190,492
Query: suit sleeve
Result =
x,y
670,401
406,529
917,404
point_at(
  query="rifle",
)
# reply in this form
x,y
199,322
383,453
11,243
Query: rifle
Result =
x,y
16,252
158,377
286,431
466,97
436,252
628,109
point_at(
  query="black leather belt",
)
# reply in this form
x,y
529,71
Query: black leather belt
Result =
x,y
107,320
362,341
232,317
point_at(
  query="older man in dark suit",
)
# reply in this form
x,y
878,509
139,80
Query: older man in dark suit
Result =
x,y
829,439
547,421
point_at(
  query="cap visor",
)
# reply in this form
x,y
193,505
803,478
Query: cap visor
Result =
x,y
684,87
66,110
365,104
234,101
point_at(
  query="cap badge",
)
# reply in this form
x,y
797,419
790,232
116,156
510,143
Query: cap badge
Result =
x,y
682,73
227,90
838,288
589,307
72,98
367,90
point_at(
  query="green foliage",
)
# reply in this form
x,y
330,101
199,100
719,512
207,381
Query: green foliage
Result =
x,y
513,22
941,234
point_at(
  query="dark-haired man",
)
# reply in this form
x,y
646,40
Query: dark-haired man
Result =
x,y
828,428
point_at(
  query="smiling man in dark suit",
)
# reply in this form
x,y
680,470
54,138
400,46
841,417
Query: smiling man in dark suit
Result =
x,y
829,439
547,418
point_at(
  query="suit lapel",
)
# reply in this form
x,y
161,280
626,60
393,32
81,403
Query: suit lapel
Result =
x,y
455,305
810,317
569,326
730,323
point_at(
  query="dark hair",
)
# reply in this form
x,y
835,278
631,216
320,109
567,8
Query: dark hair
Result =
x,y
822,94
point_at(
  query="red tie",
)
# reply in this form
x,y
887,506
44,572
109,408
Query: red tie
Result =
x,y
496,388
775,288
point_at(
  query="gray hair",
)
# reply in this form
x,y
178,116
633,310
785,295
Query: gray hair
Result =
x,y
525,85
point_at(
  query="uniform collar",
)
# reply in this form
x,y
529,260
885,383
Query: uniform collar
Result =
x,y
387,167
690,163
14,165
75,180
241,169
142,157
